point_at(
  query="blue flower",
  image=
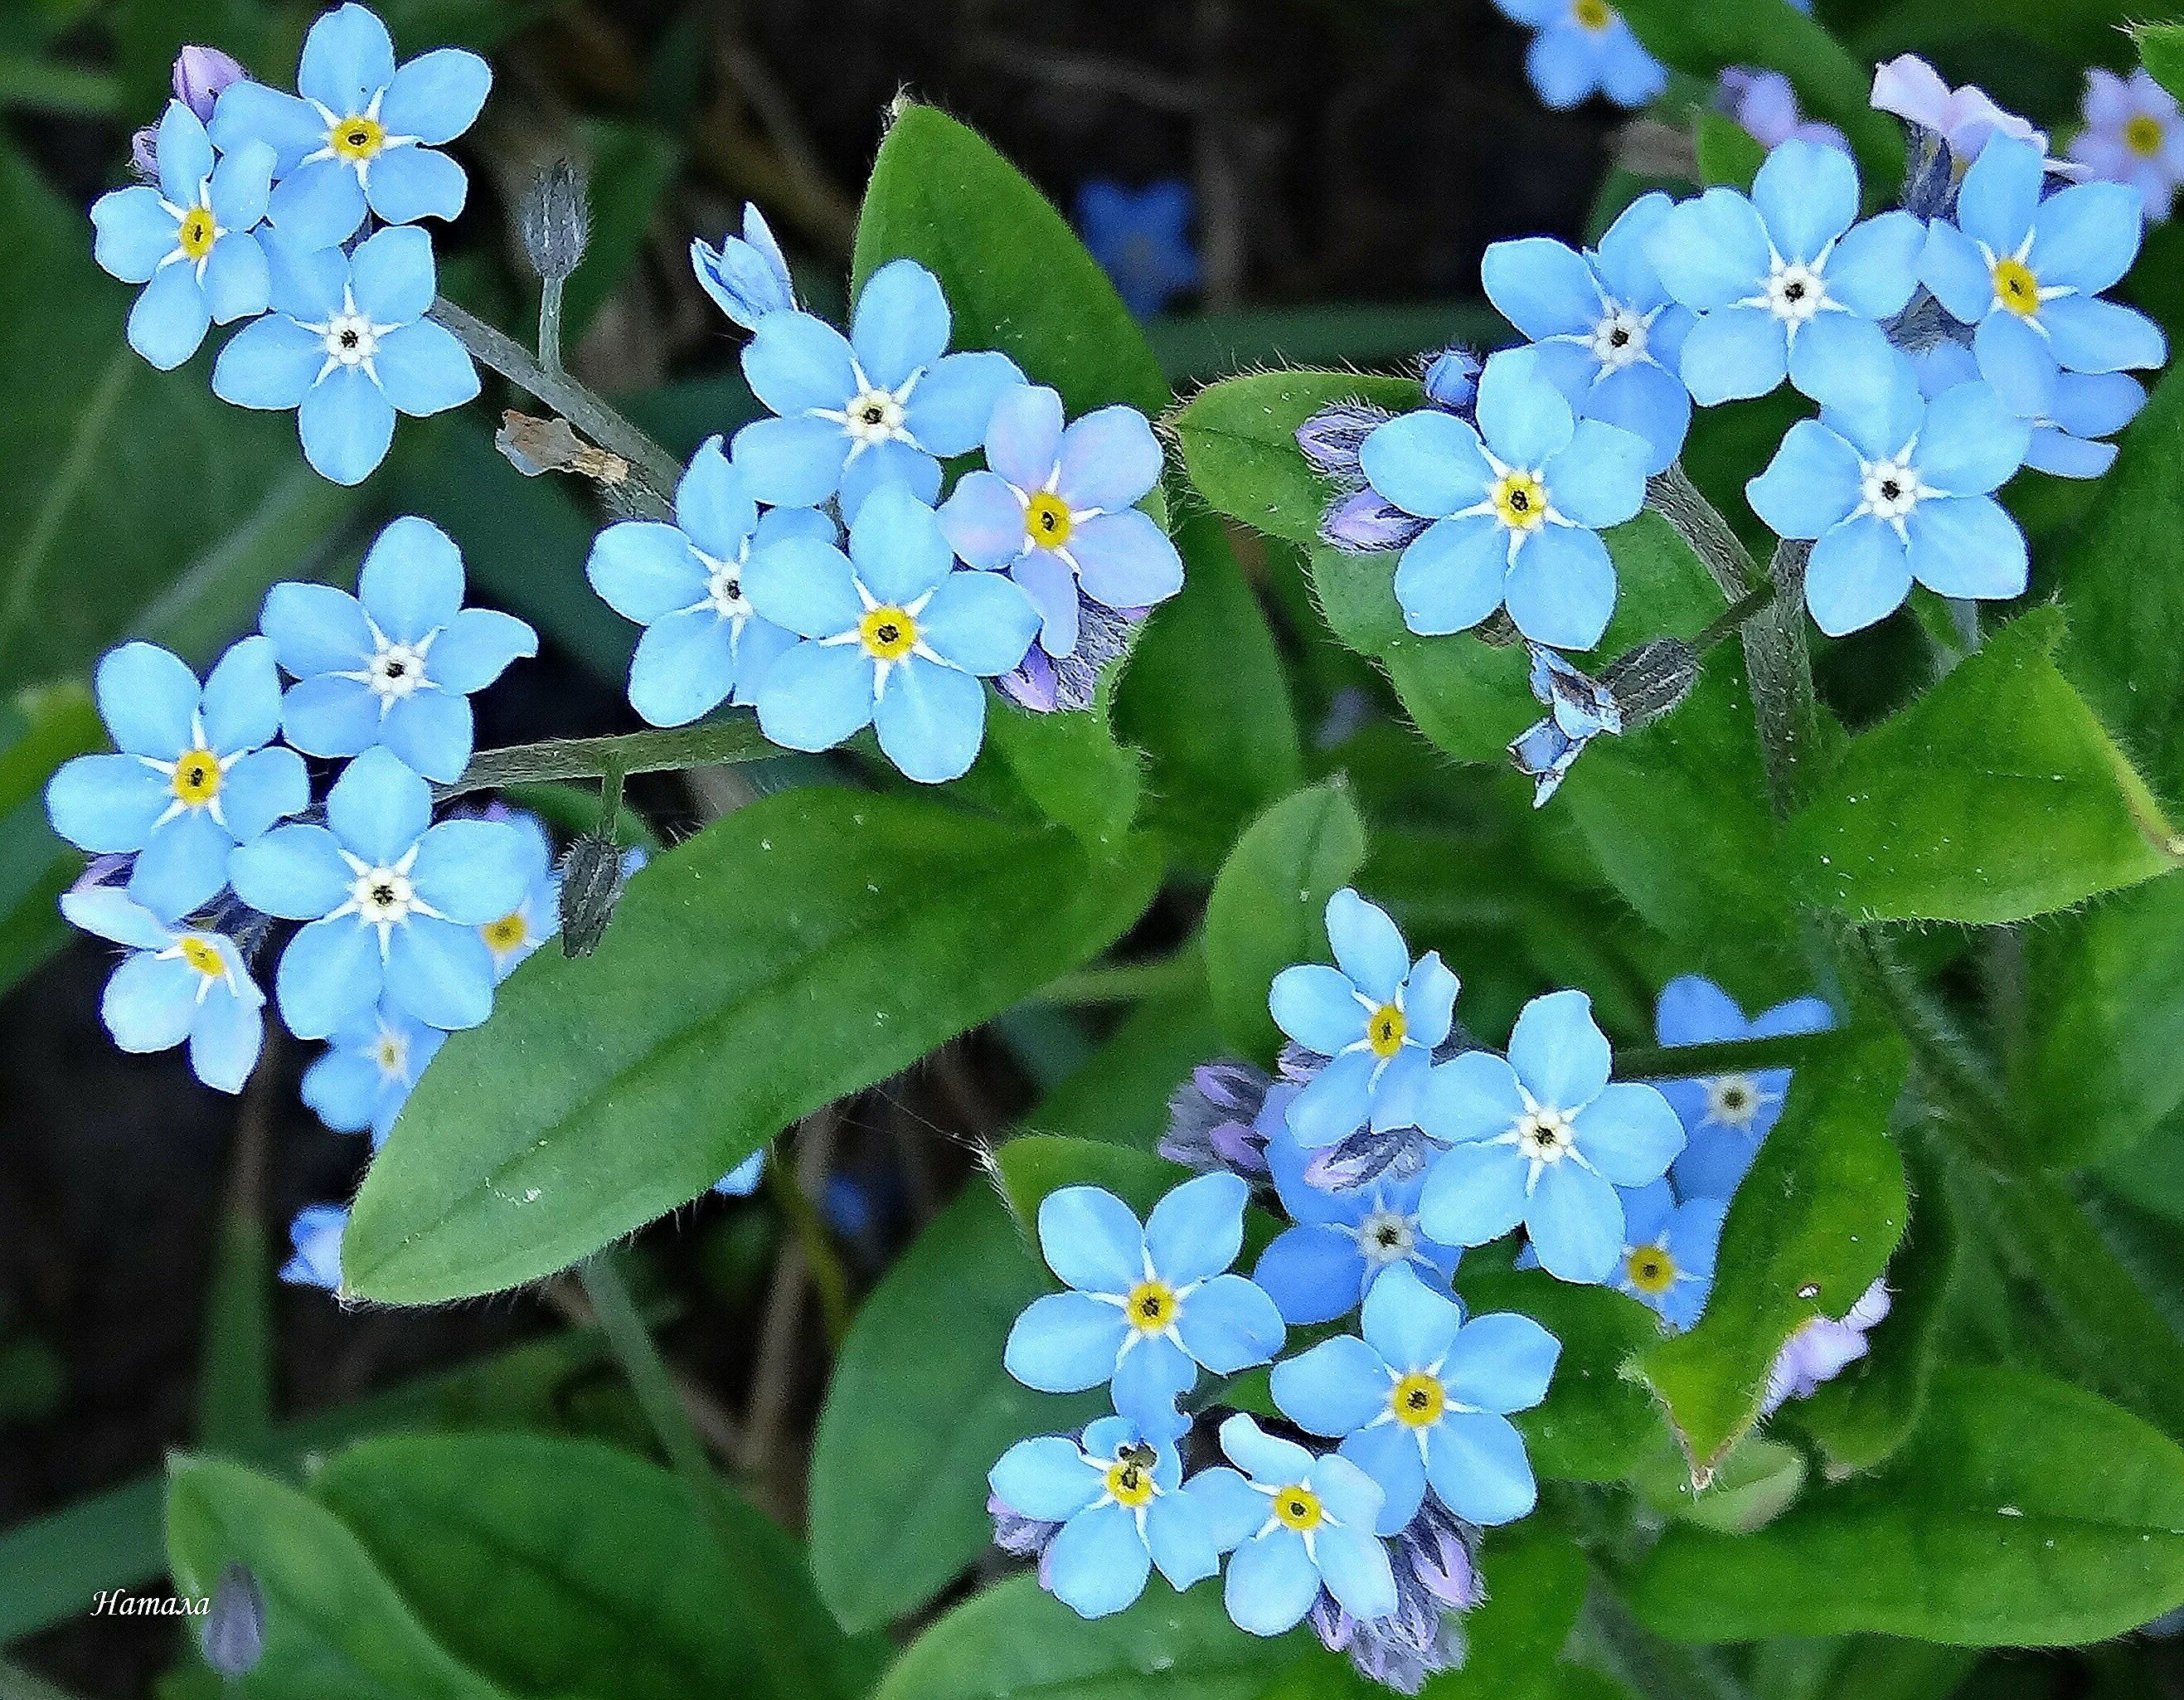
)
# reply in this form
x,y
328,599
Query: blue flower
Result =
x,y
1144,1306
2066,441
347,345
1725,1116
703,645
1377,1019
876,407
1058,510
364,135
1343,1242
1786,283
895,636
747,277
1668,1251
1141,238
1895,489
1423,1399
1516,505
742,1180
175,984
363,1079
1585,47
1604,330
194,777
2028,273
2134,134
395,664
1765,103
1580,709
1317,1515
191,242
316,1234
513,937
1542,1139
394,902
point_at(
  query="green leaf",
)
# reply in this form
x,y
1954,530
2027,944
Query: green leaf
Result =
x,y
1030,1165
2023,1512
1811,1227
1994,797
1535,1584
1753,1485
632,167
1121,1093
1728,154
2161,51
804,947
39,731
1070,766
1268,904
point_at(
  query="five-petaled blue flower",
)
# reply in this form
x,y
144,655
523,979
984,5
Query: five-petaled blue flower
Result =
x,y
1585,47
703,645
895,636
1423,1399
363,1079
2028,274
394,902
1602,325
1786,282
176,983
1144,1306
1543,1138
883,404
347,345
1725,1116
396,663
1516,505
315,1236
746,276
1895,489
193,778
1668,1251
1377,1019
2067,439
1317,1515
192,242
1057,511
1141,238
1343,1241
364,135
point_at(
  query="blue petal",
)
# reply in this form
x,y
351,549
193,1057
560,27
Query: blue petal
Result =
x,y
1317,1007
110,914
1097,1564
900,324
1559,1052
1478,1469
1023,439
1389,1454
1734,354
983,520
1334,1102
241,699
1694,1011
1228,1324
1859,573
2097,403
134,232
261,788
1047,1477
1232,1508
440,973
796,362
1409,1325
473,872
184,153
816,696
318,206
225,1040
2093,336
893,462
1179,1535
804,585
1368,946
1125,559
1065,1342
149,1003
714,505
1395,1093
1950,265
1354,1566
333,716
1501,1362
1108,460
1524,423
183,864
1807,195
1091,1239
1560,588
793,462
437,96
249,112
1812,483
237,283
424,370
1966,546
1576,1222
343,1089
897,548
1875,269
329,974
168,323
476,647
951,409
2085,237
931,719
1271,1583
1314,1273
1470,1097
2018,362
107,803
1541,286
1560,63
345,423
1452,577
348,58
1429,1001
1714,1163
1997,200
645,569
378,808
1426,463
410,183
1969,443
294,873
685,667
1474,1193
1630,1133
1266,1458
268,364
1711,252
1197,1229
978,622
147,698
1623,260
1647,400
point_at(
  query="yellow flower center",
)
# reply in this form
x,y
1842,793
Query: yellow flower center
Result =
x,y
357,138
2142,136
1593,15
1418,1400
1520,500
1151,1307
888,633
1130,1481
203,954
1046,521
1384,1029
504,934
195,233
196,777
2016,287
1299,1506
1651,1269
391,1055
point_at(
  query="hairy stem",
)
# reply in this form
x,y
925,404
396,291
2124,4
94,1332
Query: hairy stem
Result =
x,y
596,758
549,327
1672,495
1781,671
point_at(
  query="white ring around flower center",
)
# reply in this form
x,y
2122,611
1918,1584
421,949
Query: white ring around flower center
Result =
x,y
383,896
1618,340
724,587
1890,489
350,339
1733,1100
1544,1133
1796,291
1386,1236
396,671
874,416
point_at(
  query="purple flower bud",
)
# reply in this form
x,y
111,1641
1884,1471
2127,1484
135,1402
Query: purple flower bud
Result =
x,y
1211,1116
1441,1551
1451,379
1365,520
233,1634
200,75
144,154
1331,437
1017,1535
1033,685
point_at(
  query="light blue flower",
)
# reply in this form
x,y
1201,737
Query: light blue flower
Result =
x,y
361,1083
1058,510
316,1234
2027,273
2066,441
1604,328
703,645
514,937
193,778
347,345
1585,47
192,242
1423,1399
395,664
2133,134
1377,1019
394,902
1543,1138
1141,238
876,407
1668,1251
746,276
175,984
365,134
1786,282
1144,1306
1895,489
1516,505
894,637
1343,1242
742,1180
1765,103
1725,1116
1578,709
1317,1515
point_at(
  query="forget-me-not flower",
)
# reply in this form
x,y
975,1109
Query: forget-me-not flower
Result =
x,y
1578,708
395,903
2067,440
1318,1514
1144,1306
396,663
1585,47
1965,119
1376,1018
1668,1251
1342,1242
347,345
514,937
192,242
175,984
703,643
361,1083
1897,489
194,776
894,637
1543,1138
2133,134
1423,1399
364,135
1725,1116
1517,505
316,1237
883,404
1765,103
1141,238
746,276
1057,511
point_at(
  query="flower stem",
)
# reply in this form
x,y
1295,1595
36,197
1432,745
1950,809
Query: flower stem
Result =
x,y
549,327
829,1279
1672,495
710,746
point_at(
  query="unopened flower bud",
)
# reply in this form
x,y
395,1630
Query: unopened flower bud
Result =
x,y
1451,379
1364,520
556,220
200,75
746,276
592,877
1331,437
1650,680
233,1634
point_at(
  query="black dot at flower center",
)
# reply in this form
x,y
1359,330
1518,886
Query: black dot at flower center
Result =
x,y
383,896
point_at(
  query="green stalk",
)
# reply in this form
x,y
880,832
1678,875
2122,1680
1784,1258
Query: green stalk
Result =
x,y
830,1279
594,758
549,327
